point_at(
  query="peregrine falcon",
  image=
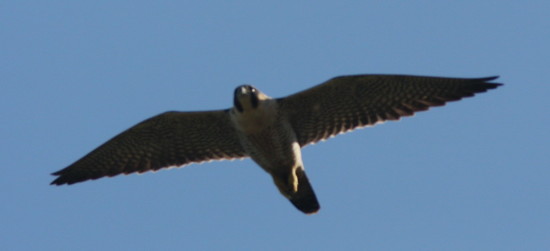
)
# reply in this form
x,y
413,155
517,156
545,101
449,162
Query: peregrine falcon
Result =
x,y
271,131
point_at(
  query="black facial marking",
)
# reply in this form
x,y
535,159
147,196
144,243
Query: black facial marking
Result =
x,y
245,90
254,97
236,101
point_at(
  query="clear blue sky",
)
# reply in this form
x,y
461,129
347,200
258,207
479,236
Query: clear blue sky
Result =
x,y
473,175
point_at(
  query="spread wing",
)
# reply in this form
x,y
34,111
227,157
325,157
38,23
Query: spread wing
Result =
x,y
168,139
348,102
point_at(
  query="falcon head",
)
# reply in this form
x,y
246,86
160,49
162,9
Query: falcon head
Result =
x,y
247,98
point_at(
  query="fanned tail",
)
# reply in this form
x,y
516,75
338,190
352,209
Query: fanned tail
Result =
x,y
304,199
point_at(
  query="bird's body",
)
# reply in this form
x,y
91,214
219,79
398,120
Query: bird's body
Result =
x,y
270,131
268,138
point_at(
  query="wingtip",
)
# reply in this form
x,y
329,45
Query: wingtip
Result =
x,y
490,78
58,181
487,80
64,178
484,84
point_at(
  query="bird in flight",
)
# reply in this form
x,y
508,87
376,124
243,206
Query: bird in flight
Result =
x,y
271,131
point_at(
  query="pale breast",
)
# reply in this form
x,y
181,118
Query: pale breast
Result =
x,y
274,147
256,120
